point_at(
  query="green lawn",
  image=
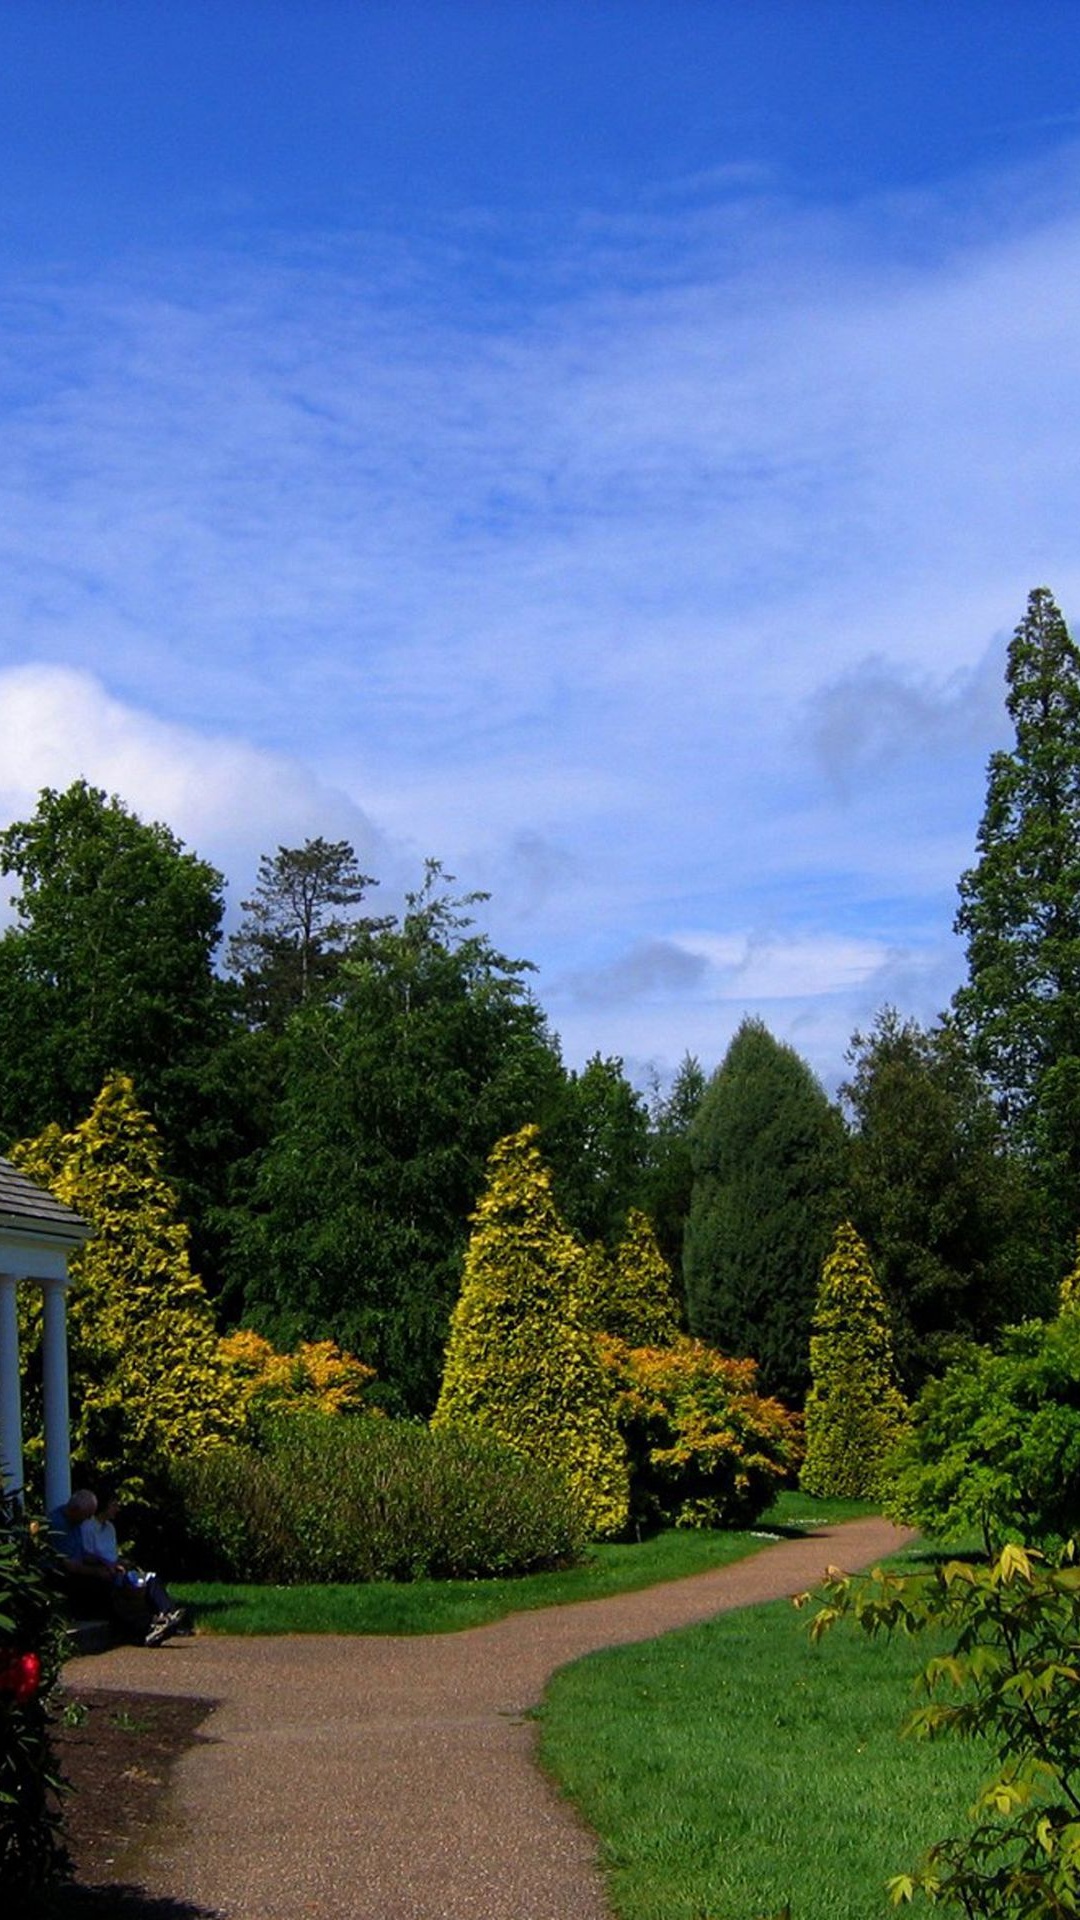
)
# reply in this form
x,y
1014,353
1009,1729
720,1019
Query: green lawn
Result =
x,y
444,1606
733,1770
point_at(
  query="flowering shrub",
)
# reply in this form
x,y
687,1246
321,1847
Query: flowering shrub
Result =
x,y
706,1449
32,1856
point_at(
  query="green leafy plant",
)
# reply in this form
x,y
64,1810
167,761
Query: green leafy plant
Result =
x,y
32,1856
1009,1679
995,1443
356,1500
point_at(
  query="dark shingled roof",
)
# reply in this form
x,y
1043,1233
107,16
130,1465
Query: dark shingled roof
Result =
x,y
25,1205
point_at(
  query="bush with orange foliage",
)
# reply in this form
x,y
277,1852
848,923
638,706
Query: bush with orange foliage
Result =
x,y
317,1378
706,1449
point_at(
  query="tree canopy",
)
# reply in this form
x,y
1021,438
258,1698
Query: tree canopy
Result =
x,y
110,967
392,1097
297,926
936,1192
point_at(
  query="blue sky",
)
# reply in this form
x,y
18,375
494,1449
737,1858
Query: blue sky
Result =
x,y
604,446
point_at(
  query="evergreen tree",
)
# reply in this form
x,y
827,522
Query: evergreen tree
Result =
x,y
669,1181
936,1193
519,1361
630,1296
768,1150
148,1380
298,926
1020,913
855,1413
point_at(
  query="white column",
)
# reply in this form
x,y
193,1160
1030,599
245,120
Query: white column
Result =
x,y
54,1382
11,1457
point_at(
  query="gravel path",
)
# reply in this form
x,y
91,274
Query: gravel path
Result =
x,y
350,1778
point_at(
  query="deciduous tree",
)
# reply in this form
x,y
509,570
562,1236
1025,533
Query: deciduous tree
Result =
x,y
936,1192
393,1096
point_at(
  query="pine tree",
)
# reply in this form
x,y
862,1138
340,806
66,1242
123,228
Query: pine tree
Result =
x,y
1020,912
767,1151
855,1413
298,926
148,1381
519,1361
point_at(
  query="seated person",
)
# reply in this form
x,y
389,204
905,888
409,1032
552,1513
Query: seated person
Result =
x,y
88,1586
100,1549
86,1543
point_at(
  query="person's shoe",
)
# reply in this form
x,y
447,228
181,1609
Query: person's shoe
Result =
x,y
161,1627
180,1621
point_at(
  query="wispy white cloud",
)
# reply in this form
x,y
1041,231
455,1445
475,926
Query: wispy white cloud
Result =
x,y
659,582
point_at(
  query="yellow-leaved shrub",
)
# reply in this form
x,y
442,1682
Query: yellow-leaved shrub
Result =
x,y
317,1378
706,1448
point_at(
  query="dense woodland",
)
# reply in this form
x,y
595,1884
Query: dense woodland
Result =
x,y
327,1086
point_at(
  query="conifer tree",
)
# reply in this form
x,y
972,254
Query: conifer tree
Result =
x,y
630,1296
767,1149
148,1381
855,1413
1020,912
519,1361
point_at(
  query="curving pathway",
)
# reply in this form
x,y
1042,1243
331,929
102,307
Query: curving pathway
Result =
x,y
349,1778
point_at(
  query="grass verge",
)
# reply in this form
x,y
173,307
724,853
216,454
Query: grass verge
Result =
x,y
447,1606
733,1770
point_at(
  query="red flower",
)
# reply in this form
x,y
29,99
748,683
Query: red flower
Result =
x,y
20,1675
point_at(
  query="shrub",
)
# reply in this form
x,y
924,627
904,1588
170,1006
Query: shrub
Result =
x,y
995,1443
318,1378
855,1413
1008,1681
706,1449
357,1500
520,1362
32,1856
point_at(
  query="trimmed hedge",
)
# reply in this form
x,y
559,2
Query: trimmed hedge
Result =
x,y
355,1500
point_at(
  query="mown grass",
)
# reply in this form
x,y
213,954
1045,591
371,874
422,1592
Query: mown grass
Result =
x,y
734,1770
447,1606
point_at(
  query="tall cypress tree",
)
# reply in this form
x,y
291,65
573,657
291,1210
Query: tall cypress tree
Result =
x,y
520,1361
855,1413
1020,912
768,1155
